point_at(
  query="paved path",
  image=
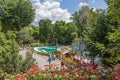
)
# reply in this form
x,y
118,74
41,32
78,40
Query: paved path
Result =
x,y
41,60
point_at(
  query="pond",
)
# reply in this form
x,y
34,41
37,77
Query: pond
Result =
x,y
47,49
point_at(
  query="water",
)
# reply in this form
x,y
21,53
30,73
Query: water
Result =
x,y
48,48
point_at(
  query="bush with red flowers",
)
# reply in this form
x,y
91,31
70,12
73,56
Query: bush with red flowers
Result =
x,y
67,73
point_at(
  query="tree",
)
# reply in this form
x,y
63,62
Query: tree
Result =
x,y
114,10
59,31
114,45
24,36
45,29
102,40
10,59
65,32
81,20
35,32
70,32
16,14
8,51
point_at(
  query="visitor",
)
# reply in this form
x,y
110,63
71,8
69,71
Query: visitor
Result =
x,y
62,64
49,59
54,56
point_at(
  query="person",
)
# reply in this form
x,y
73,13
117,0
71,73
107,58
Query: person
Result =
x,y
54,56
62,64
49,58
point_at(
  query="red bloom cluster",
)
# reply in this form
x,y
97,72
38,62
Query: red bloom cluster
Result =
x,y
71,73
20,77
34,70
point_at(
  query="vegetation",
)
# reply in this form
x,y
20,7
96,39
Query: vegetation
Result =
x,y
99,30
43,53
16,14
86,73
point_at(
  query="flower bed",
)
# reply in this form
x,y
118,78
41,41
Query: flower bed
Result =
x,y
86,73
67,60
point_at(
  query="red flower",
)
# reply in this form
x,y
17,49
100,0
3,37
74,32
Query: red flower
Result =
x,y
117,68
112,74
81,78
52,66
74,70
19,77
117,77
98,75
87,75
34,70
110,69
13,69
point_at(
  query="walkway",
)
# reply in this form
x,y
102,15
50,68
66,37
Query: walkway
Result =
x,y
41,60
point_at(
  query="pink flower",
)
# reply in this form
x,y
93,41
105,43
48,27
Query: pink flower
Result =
x,y
98,75
117,77
81,78
25,79
110,69
112,74
74,70
117,68
87,75
76,75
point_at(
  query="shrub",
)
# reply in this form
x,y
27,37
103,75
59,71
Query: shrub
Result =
x,y
67,60
84,73
43,53
36,44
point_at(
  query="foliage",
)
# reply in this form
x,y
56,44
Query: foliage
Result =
x,y
24,36
16,14
56,52
81,20
43,53
114,11
70,33
35,33
68,73
114,47
101,43
65,33
10,60
8,51
36,44
26,63
45,29
101,30
59,32
67,60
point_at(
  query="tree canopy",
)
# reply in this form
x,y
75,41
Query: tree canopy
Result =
x,y
16,14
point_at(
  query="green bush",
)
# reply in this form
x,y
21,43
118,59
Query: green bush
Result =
x,y
36,44
56,52
43,53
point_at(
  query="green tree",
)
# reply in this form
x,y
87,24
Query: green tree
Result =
x,y
8,51
70,32
59,31
35,32
65,32
101,40
81,20
10,59
24,36
114,45
16,14
114,10
45,29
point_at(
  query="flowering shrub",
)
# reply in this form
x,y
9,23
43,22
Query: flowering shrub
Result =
x,y
67,60
69,73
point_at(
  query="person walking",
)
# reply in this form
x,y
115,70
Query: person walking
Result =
x,y
49,59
